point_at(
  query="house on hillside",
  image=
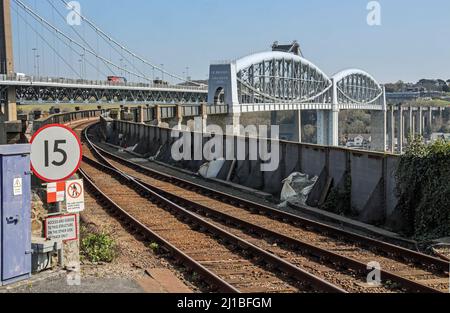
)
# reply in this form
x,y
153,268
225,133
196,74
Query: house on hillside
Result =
x,y
436,136
357,140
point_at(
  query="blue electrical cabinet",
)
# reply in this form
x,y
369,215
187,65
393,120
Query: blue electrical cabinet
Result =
x,y
15,212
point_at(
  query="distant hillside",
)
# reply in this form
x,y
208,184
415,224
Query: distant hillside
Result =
x,y
421,86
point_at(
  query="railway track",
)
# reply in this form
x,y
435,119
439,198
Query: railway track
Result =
x,y
338,261
224,260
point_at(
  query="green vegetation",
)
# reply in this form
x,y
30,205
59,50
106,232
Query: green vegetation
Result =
x,y
434,103
154,247
354,122
98,247
423,189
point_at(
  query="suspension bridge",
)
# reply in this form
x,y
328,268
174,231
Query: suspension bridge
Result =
x,y
273,81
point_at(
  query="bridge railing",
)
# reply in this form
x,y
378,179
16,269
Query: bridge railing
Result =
x,y
64,118
69,81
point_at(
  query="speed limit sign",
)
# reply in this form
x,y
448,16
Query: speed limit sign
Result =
x,y
55,153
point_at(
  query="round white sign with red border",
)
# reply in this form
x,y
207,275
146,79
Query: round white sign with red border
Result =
x,y
56,153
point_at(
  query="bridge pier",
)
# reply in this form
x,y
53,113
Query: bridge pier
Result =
x,y
327,127
411,123
140,114
430,121
419,121
391,128
233,122
400,129
297,126
378,129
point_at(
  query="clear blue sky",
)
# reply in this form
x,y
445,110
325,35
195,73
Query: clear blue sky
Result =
x,y
412,42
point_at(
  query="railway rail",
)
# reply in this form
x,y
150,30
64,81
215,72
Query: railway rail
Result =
x,y
226,261
279,234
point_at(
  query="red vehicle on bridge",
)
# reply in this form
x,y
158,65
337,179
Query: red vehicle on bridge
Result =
x,y
117,79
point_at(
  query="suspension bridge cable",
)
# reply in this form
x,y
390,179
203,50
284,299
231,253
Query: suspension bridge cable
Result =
x,y
72,50
160,69
45,22
120,52
76,32
57,48
45,41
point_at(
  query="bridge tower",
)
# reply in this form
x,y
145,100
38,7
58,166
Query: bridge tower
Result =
x,y
7,95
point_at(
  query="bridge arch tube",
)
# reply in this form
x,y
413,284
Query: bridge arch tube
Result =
x,y
358,88
267,77
284,81
355,86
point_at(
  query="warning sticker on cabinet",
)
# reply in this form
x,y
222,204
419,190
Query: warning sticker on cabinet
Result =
x,y
17,186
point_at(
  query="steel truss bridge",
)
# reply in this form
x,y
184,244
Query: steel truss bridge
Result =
x,y
278,81
58,90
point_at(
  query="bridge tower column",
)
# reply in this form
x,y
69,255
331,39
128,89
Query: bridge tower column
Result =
x,y
223,84
378,127
7,59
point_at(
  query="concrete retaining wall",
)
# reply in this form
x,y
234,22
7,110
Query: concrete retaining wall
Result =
x,y
372,174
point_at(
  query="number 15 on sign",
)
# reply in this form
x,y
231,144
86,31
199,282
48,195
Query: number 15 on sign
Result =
x,y
55,153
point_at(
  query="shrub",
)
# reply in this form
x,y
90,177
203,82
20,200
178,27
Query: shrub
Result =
x,y
423,189
98,247
154,247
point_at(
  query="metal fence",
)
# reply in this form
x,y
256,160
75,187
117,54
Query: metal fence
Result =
x,y
101,83
63,118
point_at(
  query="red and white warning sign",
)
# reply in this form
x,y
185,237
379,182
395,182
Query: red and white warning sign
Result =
x,y
55,192
62,227
74,196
